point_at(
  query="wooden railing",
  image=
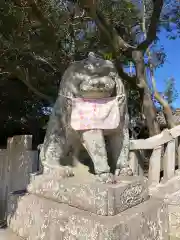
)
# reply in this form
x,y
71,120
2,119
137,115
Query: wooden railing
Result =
x,y
164,158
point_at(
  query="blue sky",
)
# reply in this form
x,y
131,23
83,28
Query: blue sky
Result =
x,y
171,68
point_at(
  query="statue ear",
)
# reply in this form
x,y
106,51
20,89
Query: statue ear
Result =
x,y
91,56
119,85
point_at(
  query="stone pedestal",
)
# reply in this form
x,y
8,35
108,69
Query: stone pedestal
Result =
x,y
169,193
91,196
70,209
7,234
174,215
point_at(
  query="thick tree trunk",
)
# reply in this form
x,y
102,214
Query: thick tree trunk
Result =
x,y
150,113
166,108
149,109
168,115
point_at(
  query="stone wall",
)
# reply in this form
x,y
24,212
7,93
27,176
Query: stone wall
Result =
x,y
16,164
3,180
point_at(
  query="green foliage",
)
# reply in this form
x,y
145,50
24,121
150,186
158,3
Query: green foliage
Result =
x,y
170,93
21,111
134,104
42,38
170,19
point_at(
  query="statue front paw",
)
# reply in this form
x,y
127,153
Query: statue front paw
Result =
x,y
126,171
58,172
68,171
106,178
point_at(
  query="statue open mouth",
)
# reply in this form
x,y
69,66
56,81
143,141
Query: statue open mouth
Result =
x,y
97,88
96,94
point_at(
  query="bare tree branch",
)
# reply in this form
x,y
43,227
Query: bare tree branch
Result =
x,y
24,77
117,43
147,104
41,59
130,80
166,108
151,34
4,73
40,16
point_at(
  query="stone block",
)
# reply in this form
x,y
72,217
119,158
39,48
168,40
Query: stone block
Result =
x,y
170,194
165,190
6,234
20,158
38,218
12,203
86,194
173,238
173,203
3,182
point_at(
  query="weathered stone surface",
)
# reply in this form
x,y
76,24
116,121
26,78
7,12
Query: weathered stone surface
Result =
x,y
12,204
20,161
6,234
3,181
173,238
91,78
170,194
165,190
174,220
16,164
102,199
37,218
173,203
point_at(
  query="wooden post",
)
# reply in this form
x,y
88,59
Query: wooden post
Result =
x,y
169,160
155,166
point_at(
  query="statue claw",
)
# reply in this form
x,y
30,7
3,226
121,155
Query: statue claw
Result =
x,y
68,171
126,171
61,172
106,178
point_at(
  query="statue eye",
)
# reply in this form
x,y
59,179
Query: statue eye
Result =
x,y
112,75
89,66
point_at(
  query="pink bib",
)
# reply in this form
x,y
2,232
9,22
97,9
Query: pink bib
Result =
x,y
95,113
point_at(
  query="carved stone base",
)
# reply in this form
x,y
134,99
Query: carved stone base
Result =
x,y
7,234
170,194
38,218
72,209
174,215
87,194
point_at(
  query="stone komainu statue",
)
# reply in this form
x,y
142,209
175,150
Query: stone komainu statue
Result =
x,y
93,89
